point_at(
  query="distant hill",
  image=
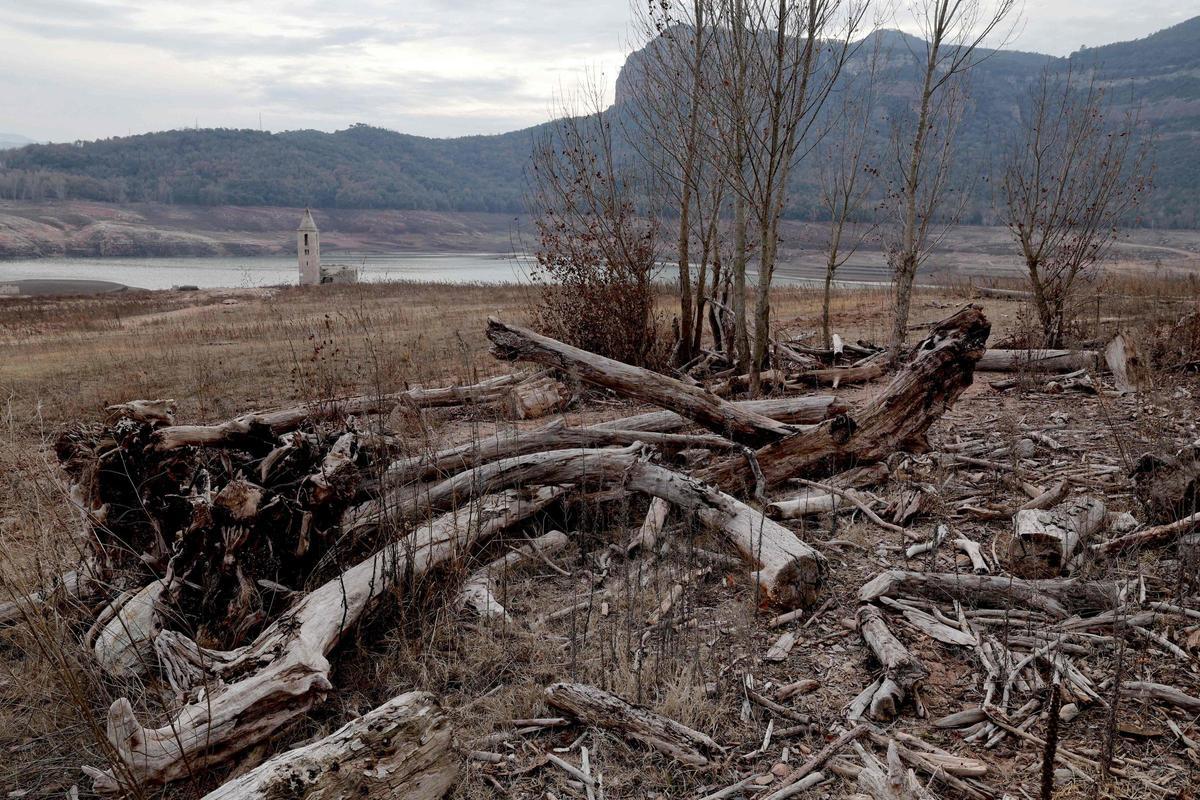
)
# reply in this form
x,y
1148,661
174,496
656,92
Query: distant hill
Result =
x,y
365,167
11,140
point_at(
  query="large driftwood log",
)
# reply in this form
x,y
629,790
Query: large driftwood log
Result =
x,y
1044,542
1038,360
244,696
122,637
402,750
605,710
797,411
513,343
941,368
555,436
902,671
267,425
1057,597
788,570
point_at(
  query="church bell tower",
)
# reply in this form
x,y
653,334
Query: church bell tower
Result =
x,y
308,250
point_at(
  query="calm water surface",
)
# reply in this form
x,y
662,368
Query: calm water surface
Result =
x,y
237,271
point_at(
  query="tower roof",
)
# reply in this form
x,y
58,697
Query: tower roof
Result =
x,y
306,222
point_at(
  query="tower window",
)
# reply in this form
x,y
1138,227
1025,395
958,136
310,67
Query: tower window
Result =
x,y
306,241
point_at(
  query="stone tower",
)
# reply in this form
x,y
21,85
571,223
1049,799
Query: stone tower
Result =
x,y
308,250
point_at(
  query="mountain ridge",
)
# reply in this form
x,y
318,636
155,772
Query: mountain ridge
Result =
x,y
367,167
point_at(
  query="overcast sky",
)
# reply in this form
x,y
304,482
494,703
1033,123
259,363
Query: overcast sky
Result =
x,y
82,69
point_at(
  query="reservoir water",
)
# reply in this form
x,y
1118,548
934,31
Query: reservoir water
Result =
x,y
250,271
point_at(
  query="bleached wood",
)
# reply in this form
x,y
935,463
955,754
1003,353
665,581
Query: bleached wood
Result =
x,y
789,571
941,368
514,343
606,710
1044,542
1038,360
266,425
1129,370
1157,536
477,591
652,526
122,638
1057,597
534,397
979,564
402,750
902,671
805,505
241,697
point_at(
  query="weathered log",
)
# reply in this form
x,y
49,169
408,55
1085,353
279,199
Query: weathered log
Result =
x,y
1129,370
940,370
789,571
337,476
805,505
606,710
555,436
839,376
534,397
1044,542
1158,536
122,637
267,425
797,411
902,671
1057,597
16,608
513,343
477,592
651,527
1162,693
1038,360
154,412
402,750
247,695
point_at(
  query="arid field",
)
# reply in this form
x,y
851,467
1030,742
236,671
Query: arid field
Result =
x,y
679,629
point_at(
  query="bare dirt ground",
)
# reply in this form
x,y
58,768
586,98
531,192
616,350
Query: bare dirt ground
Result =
x,y
703,663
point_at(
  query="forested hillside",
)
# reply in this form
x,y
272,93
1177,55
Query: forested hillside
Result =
x,y
365,167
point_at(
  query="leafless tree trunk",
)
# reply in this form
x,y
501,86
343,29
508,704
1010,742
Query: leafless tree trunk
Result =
x,y
953,31
846,180
1069,180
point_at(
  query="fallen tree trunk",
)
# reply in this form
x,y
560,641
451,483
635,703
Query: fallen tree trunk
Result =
x,y
605,710
1058,597
788,570
477,592
513,343
902,671
802,410
940,370
1158,536
402,750
1044,542
253,692
1038,360
507,444
249,428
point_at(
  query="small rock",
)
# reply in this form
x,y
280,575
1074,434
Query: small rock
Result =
x,y
1063,777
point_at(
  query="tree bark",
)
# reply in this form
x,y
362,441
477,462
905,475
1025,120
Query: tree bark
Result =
x,y
788,571
267,425
1058,597
605,710
942,367
513,343
402,750
1037,360
251,693
902,671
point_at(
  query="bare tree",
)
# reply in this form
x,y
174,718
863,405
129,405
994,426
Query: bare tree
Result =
x,y
668,112
953,31
597,245
847,178
781,60
1069,180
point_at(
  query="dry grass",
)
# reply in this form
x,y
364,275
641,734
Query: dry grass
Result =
x,y
64,361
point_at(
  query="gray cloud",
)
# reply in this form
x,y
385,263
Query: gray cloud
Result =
x,y
92,68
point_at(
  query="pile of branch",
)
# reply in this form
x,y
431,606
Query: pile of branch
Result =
x,y
219,546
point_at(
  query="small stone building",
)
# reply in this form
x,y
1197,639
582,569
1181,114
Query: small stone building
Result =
x,y
308,252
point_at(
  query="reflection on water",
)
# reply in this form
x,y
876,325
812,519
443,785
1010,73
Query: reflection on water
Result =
x,y
238,271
